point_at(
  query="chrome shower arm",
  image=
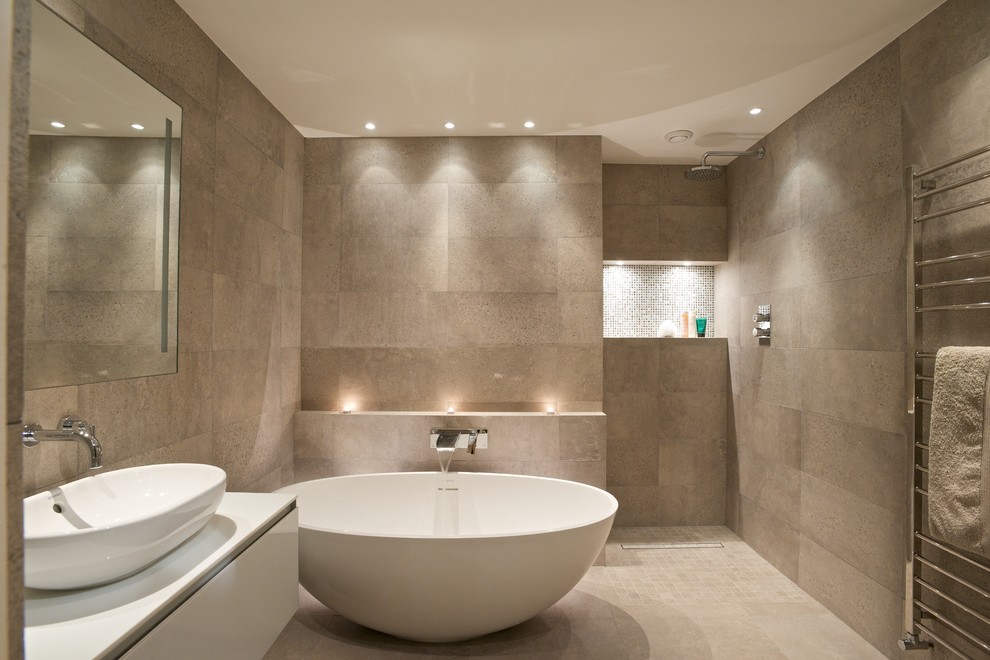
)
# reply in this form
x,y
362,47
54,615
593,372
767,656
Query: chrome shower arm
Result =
x,y
759,153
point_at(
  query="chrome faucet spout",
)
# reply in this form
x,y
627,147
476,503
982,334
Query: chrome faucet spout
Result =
x,y
451,438
447,439
69,428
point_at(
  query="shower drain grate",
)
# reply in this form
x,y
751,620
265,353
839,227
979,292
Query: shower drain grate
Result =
x,y
682,545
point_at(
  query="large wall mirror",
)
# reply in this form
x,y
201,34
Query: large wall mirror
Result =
x,y
102,225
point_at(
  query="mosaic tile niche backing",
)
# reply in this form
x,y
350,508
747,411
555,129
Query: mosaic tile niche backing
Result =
x,y
637,298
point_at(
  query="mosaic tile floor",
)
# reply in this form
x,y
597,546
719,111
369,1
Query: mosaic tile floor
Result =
x,y
699,603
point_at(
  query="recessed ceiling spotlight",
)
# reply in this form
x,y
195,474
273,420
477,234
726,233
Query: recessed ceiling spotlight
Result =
x,y
137,127
58,124
529,124
370,126
449,125
755,111
677,137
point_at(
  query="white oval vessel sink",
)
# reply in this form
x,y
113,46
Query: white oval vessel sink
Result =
x,y
106,527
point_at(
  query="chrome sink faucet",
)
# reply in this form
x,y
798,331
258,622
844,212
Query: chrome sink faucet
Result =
x,y
69,428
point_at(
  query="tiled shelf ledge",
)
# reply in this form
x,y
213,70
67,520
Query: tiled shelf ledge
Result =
x,y
448,415
566,445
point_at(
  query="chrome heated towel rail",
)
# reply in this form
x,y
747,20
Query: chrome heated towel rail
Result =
x,y
947,591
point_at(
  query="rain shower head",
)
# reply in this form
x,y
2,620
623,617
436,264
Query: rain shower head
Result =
x,y
705,172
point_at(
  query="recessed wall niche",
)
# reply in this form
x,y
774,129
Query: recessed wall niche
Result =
x,y
639,297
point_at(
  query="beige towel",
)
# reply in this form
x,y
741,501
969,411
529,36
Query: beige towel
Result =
x,y
959,453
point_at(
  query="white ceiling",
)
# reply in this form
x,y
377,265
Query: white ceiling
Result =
x,y
629,70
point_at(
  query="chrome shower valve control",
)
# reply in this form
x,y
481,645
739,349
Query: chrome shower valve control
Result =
x,y
761,322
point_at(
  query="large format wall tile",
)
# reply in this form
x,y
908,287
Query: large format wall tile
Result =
x,y
777,541
631,232
854,457
771,263
692,233
868,94
868,607
777,206
479,374
851,528
247,178
392,319
857,386
579,159
925,55
503,160
394,160
865,166
502,319
871,318
630,184
502,264
770,430
246,110
868,239
632,365
411,210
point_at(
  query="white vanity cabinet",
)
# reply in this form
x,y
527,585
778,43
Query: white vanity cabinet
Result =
x,y
225,593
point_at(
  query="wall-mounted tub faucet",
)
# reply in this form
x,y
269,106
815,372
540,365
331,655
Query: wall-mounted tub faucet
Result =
x,y
69,428
459,438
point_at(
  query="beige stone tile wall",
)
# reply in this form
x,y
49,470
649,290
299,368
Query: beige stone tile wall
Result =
x,y
817,440
653,213
666,405
452,270
564,446
240,261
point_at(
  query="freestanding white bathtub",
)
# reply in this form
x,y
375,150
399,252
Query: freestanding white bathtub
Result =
x,y
396,553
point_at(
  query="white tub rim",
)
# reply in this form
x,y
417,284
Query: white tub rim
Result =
x,y
613,508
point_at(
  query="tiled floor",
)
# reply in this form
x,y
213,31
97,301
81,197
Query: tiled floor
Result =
x,y
699,603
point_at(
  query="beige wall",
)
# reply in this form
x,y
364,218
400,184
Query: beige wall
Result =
x,y
817,442
232,401
666,405
653,213
464,270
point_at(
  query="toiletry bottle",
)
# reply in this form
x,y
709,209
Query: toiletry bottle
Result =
x,y
684,324
692,325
